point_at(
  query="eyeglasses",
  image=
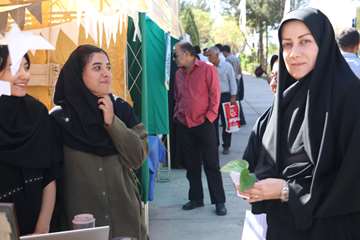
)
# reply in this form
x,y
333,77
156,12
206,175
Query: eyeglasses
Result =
x,y
175,56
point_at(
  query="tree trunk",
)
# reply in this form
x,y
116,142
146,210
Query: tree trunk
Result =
x,y
267,46
261,44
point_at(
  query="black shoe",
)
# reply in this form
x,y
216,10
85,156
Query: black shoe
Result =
x,y
220,209
190,205
226,151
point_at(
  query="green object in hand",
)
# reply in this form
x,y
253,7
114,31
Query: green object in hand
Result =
x,y
247,179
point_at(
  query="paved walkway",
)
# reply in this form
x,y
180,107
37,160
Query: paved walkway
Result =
x,y
169,222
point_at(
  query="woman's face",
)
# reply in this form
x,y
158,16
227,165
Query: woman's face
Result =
x,y
20,80
97,75
299,49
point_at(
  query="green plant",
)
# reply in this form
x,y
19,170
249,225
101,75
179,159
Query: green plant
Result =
x,y
248,62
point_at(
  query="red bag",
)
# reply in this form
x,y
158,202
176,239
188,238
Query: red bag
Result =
x,y
232,116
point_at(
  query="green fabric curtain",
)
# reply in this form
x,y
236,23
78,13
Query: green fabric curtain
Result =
x,y
146,75
134,67
135,71
154,108
143,174
146,81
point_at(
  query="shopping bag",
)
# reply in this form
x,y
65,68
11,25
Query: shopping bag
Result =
x,y
255,226
232,116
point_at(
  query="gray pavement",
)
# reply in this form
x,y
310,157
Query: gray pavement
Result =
x,y
169,222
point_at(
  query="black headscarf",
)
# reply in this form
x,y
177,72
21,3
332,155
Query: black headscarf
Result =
x,y
80,118
312,137
26,133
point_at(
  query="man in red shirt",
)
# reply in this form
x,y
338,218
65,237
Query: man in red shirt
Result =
x,y
197,98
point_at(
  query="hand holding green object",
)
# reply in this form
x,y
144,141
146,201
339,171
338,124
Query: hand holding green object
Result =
x,y
247,179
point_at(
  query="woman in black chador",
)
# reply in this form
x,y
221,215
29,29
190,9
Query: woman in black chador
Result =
x,y
29,153
308,164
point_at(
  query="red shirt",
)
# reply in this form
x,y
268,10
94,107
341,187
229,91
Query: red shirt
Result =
x,y
197,94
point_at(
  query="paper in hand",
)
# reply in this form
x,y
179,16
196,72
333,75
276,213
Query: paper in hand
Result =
x,y
5,88
235,177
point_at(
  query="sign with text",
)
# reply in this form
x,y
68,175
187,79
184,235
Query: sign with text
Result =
x,y
232,116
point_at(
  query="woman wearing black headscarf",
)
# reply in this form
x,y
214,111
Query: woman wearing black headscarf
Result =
x,y
308,166
102,145
28,151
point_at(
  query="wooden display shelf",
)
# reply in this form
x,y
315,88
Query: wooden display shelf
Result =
x,y
44,75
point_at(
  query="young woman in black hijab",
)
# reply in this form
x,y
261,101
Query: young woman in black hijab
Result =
x,y
102,141
28,151
308,166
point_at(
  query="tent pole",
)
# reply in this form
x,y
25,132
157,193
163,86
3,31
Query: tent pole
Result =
x,y
168,155
126,70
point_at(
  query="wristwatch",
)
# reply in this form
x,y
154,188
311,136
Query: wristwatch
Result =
x,y
284,196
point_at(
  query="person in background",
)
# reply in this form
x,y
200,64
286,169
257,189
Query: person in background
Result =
x,y
220,47
253,147
349,40
197,97
204,51
201,56
235,63
29,152
308,158
103,145
228,91
274,68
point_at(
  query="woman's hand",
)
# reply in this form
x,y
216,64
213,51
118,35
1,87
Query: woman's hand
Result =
x,y
267,189
106,106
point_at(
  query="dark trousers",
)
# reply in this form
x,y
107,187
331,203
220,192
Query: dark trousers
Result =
x,y
199,144
226,137
240,96
242,116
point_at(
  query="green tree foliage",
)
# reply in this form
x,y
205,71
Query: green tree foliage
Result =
x,y
358,18
269,12
261,15
299,3
189,25
204,23
202,4
225,30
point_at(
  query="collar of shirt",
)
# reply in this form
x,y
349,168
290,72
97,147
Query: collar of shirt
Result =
x,y
221,63
349,55
230,56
